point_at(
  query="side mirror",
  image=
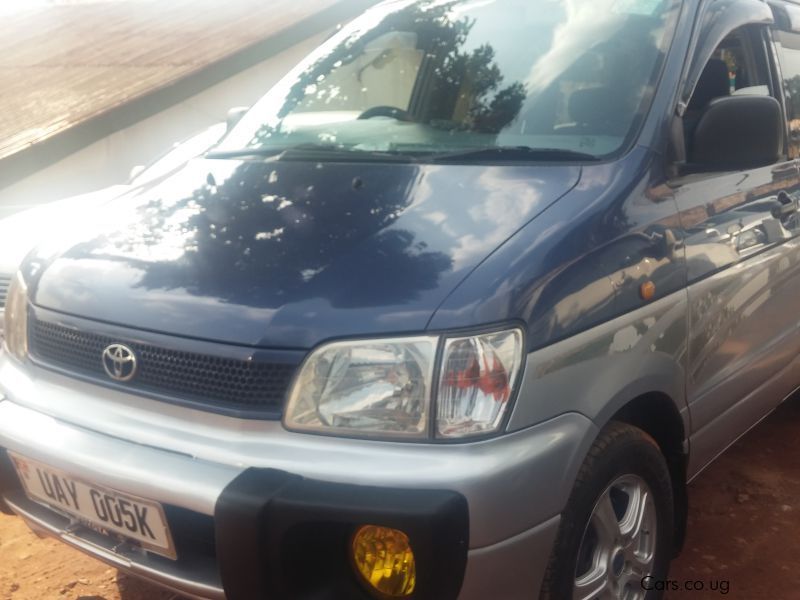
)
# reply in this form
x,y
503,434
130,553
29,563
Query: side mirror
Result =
x,y
234,116
737,132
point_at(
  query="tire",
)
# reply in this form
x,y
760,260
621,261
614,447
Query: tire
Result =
x,y
622,466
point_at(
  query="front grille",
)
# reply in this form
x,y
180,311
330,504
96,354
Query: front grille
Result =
x,y
223,383
5,283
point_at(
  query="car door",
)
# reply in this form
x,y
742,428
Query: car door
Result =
x,y
740,236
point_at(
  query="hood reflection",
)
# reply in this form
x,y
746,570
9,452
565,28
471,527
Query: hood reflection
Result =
x,y
284,253
248,237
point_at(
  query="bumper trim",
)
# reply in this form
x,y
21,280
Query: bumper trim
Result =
x,y
267,521
166,573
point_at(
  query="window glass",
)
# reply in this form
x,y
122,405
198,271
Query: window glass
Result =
x,y
437,76
738,66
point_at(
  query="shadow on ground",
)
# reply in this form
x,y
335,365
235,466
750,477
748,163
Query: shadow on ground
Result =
x,y
744,517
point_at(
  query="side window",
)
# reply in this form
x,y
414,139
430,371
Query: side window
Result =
x,y
731,212
789,55
739,66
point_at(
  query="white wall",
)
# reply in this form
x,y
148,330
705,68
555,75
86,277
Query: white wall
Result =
x,y
110,160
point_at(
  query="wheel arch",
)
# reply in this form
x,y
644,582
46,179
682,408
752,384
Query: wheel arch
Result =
x,y
657,414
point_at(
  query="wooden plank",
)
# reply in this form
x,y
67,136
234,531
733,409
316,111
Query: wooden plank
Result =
x,y
65,63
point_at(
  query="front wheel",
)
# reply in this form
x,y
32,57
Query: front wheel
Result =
x,y
615,537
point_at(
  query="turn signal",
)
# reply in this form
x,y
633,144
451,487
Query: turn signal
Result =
x,y
384,560
647,291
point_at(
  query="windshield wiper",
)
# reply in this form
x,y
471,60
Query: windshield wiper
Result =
x,y
311,152
515,153
324,152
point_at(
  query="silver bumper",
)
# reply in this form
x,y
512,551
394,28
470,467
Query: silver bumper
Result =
x,y
167,477
515,485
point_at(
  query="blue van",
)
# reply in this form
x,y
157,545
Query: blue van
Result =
x,y
455,311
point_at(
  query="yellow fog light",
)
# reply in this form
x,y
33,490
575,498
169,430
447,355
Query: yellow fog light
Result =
x,y
384,559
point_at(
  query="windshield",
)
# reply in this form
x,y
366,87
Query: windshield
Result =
x,y
437,77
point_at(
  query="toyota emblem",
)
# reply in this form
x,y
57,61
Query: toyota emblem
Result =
x,y
119,362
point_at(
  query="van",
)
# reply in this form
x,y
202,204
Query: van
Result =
x,y
455,311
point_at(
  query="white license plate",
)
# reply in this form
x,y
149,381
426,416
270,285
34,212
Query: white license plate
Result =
x,y
103,509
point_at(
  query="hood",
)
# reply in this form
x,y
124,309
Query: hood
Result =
x,y
20,232
287,254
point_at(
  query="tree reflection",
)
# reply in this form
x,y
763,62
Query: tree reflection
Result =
x,y
269,235
454,89
472,78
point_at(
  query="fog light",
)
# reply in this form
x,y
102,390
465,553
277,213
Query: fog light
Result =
x,y
384,559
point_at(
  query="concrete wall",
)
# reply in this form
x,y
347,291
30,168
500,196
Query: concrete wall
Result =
x,y
110,160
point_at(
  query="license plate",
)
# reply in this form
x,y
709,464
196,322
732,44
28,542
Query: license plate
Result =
x,y
100,508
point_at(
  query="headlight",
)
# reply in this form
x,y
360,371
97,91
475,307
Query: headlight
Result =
x,y
370,387
384,388
16,318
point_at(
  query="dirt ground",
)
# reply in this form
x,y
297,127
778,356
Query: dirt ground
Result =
x,y
744,534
